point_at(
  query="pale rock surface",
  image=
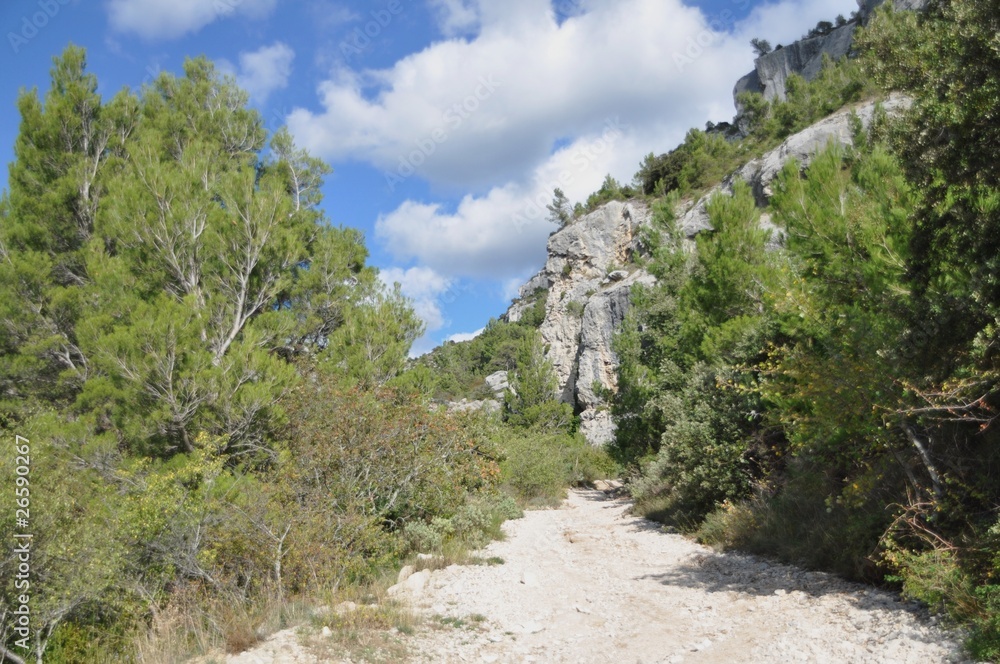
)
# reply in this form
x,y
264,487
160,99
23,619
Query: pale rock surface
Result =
x,y
805,56
588,275
597,363
591,270
499,382
411,585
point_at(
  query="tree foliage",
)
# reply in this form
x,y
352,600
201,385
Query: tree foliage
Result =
x,y
559,210
162,264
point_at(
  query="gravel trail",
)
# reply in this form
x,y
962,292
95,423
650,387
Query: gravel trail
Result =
x,y
588,583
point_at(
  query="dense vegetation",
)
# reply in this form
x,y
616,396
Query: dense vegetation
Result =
x,y
214,384
833,402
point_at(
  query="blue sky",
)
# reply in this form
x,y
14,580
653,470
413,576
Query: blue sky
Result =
x,y
447,122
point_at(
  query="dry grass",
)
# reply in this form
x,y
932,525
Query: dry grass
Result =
x,y
191,626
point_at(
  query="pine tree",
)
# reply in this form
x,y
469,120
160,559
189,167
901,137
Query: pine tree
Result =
x,y
559,209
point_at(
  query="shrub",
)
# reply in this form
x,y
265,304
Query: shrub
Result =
x,y
533,470
423,537
539,466
473,526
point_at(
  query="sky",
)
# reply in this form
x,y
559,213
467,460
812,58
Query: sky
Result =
x,y
447,122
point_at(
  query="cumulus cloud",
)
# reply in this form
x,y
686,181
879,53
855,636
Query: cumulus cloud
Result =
x,y
169,19
504,232
466,336
263,71
524,103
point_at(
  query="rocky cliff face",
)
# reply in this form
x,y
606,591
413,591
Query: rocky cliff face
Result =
x,y
591,269
588,276
805,56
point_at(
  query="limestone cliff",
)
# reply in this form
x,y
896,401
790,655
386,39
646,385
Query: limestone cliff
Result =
x,y
591,269
805,56
588,276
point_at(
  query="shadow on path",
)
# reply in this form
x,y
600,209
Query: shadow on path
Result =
x,y
753,576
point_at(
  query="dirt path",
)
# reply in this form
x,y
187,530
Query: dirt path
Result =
x,y
586,583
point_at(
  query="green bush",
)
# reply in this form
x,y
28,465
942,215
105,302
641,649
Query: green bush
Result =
x,y
459,369
533,469
539,466
423,537
473,526
587,463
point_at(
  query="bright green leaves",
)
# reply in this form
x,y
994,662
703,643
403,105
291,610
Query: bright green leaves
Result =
x,y
687,376
732,272
57,182
841,301
948,59
748,343
303,175
370,348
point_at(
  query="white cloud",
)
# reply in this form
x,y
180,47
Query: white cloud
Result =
x,y
456,16
466,336
503,232
511,288
169,19
485,114
263,71
425,288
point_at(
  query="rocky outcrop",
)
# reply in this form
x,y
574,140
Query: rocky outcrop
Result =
x,y
803,146
589,275
805,56
499,382
596,364
591,270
